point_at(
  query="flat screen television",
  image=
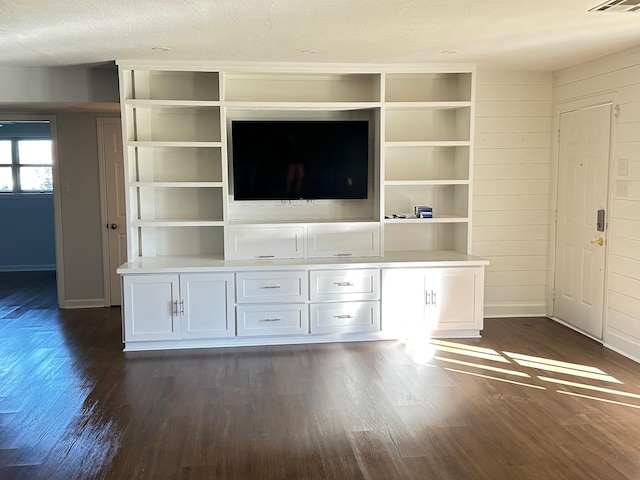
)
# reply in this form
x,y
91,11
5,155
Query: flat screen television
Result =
x,y
300,159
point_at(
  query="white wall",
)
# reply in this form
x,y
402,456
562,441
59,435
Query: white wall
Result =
x,y
618,74
511,189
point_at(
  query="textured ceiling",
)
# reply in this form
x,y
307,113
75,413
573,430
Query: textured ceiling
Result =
x,y
502,34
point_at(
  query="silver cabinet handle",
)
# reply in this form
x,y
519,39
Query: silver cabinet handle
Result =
x,y
344,254
266,256
271,320
175,307
271,286
343,316
430,298
343,284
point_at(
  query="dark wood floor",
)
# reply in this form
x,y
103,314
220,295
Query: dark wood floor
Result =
x,y
530,400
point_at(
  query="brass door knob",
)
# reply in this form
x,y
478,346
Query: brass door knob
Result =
x,y
599,241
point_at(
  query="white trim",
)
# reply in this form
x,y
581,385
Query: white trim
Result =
x,y
295,67
507,310
106,273
568,325
27,268
88,303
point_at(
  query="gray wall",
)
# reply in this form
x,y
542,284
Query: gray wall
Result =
x,y
79,188
81,84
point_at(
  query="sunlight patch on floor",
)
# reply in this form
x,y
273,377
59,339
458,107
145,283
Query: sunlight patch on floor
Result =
x,y
495,378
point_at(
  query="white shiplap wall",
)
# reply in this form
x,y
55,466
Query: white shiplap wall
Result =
x,y
511,189
618,74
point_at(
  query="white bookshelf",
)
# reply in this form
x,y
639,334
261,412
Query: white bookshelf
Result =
x,y
427,145
177,128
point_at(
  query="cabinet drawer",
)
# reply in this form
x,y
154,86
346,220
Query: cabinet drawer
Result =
x,y
343,241
265,242
259,320
271,287
343,285
348,317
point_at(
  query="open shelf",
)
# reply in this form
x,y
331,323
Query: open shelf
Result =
x,y
187,203
404,236
172,85
428,87
207,241
173,124
426,124
446,200
311,88
171,164
416,163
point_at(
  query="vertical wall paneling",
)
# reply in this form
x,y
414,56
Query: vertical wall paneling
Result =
x,y
617,76
513,125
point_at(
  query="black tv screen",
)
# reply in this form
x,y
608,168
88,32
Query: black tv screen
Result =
x,y
300,159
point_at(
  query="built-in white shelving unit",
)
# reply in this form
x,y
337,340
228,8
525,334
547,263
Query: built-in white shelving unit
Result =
x,y
178,135
295,271
427,150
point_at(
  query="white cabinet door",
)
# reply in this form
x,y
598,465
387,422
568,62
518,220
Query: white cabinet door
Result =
x,y
453,299
246,243
151,308
207,305
422,302
343,241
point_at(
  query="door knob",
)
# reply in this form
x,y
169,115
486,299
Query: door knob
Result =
x,y
599,241
113,226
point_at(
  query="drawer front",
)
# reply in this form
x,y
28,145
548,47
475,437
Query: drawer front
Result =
x,y
271,287
343,241
348,317
265,242
344,285
260,320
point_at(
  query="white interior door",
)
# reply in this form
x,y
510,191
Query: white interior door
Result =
x,y
583,174
113,205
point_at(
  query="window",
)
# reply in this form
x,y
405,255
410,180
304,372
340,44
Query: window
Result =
x,y
25,165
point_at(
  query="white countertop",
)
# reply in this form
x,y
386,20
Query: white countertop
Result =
x,y
436,258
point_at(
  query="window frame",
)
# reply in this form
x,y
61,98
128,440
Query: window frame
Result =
x,y
15,166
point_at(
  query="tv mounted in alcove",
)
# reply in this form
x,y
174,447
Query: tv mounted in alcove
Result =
x,y
300,159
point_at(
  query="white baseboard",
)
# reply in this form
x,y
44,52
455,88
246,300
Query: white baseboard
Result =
x,y
26,268
86,303
502,310
622,344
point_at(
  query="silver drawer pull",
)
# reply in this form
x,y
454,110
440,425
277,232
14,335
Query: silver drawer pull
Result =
x,y
266,256
271,286
343,254
271,320
343,316
343,284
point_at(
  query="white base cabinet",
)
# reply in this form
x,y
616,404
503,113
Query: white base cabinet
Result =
x,y
181,303
433,302
175,307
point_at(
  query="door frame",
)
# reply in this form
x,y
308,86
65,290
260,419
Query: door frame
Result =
x,y
607,98
106,274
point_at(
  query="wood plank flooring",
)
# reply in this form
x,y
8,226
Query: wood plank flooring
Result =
x,y
530,400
